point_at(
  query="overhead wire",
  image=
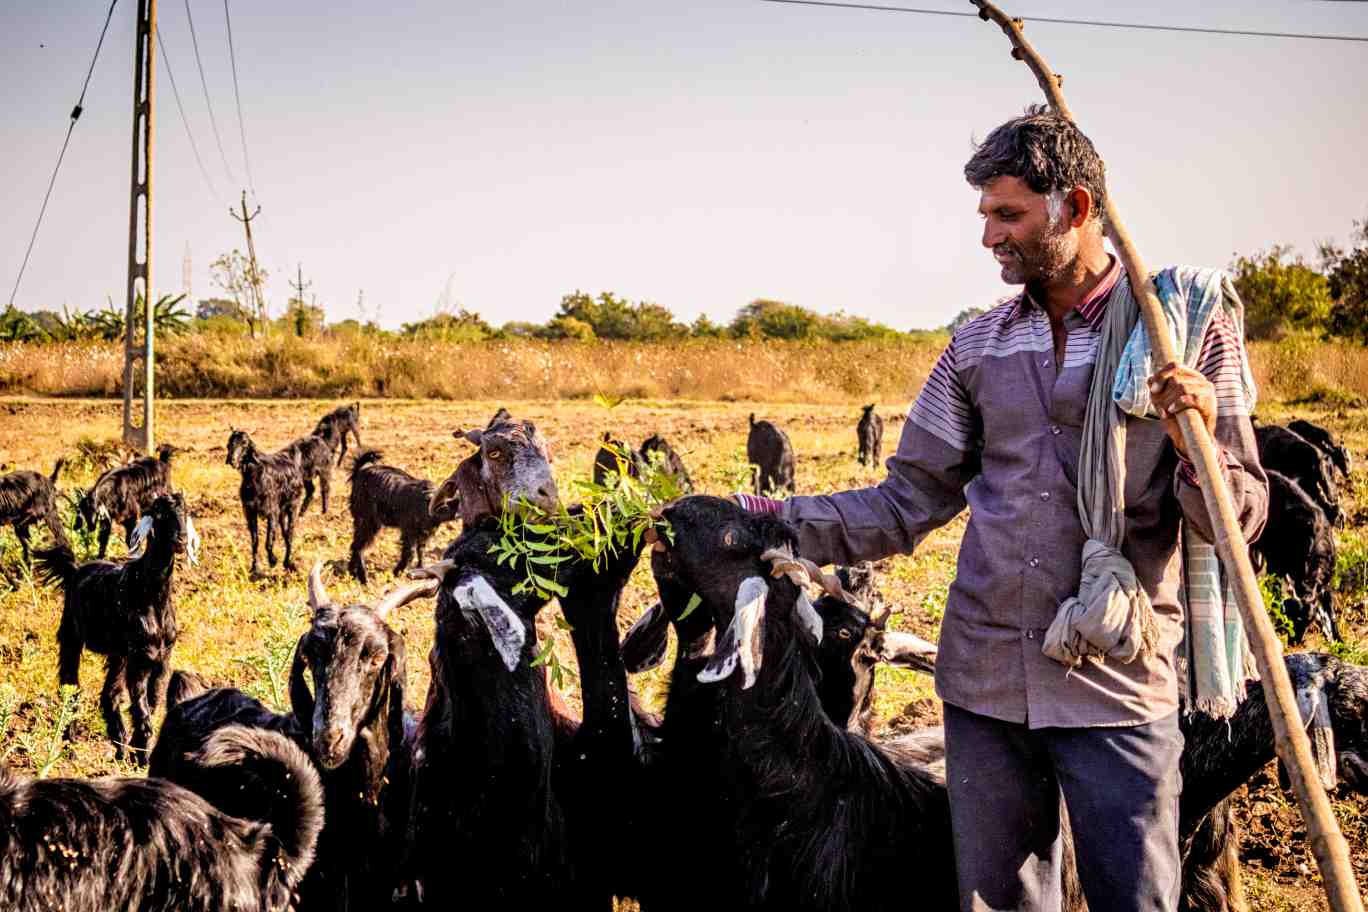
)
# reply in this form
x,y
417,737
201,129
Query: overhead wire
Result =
x,y
1086,22
237,94
52,182
190,134
204,84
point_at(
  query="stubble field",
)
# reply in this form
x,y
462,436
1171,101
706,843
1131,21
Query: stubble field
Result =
x,y
240,631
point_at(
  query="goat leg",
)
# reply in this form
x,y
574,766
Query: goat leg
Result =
x,y
308,493
287,524
325,488
105,527
22,533
270,540
110,693
252,531
138,676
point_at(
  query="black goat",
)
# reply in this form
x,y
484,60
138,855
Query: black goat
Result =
x,y
314,457
270,489
334,427
1287,452
870,432
804,814
511,465
91,845
383,496
1298,545
614,458
124,612
27,498
656,448
769,451
352,725
485,827
1327,442
123,494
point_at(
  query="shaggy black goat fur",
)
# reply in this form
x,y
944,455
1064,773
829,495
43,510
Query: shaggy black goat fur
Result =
x,y
123,611
1287,452
314,457
805,814
92,845
270,489
383,497
769,451
124,493
1327,442
1298,544
353,726
334,427
870,430
486,830
28,498
669,460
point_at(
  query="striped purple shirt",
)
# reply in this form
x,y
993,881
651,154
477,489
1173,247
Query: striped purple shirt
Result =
x,y
997,428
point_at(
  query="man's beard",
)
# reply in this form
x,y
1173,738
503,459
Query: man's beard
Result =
x,y
1037,261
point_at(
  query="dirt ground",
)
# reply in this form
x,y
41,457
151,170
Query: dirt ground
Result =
x,y
240,631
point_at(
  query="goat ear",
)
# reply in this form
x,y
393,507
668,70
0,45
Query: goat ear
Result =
x,y
476,503
647,641
141,532
474,435
808,618
301,698
505,627
903,650
742,643
192,541
318,594
1315,712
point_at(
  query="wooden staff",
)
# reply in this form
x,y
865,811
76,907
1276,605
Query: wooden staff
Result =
x,y
1293,747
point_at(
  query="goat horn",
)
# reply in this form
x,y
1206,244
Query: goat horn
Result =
x,y
318,595
405,594
432,571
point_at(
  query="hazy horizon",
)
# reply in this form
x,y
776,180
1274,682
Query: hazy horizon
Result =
x,y
699,156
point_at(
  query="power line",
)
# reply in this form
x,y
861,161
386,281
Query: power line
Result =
x,y
242,127
166,62
1089,22
75,115
213,121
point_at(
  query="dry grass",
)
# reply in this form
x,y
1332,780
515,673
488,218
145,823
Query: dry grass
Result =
x,y
235,628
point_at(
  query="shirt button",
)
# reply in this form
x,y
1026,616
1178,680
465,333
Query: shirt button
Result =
x,y
1030,634
1056,430
1033,562
1044,495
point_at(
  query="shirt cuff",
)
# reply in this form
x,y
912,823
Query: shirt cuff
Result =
x,y
753,504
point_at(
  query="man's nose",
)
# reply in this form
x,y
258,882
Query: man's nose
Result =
x,y
992,235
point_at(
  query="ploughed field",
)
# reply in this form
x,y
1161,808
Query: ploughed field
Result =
x,y
240,631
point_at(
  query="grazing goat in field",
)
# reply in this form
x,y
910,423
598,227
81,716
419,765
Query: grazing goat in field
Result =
x,y
28,498
510,465
383,496
1327,442
669,460
334,427
870,432
353,726
803,814
123,494
1287,452
124,612
769,451
314,458
1298,545
486,830
92,845
270,489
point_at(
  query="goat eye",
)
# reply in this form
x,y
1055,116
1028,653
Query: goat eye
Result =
x,y
494,454
843,633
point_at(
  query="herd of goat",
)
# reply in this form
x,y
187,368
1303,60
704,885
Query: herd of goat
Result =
x,y
761,786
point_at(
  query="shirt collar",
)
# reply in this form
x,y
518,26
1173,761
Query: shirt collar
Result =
x,y
1093,307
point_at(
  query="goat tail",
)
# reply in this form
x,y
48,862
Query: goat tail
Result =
x,y
57,469
363,459
297,813
185,685
55,565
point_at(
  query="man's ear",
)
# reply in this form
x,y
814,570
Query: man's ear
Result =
x,y
1081,203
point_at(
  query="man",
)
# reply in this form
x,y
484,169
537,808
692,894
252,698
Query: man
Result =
x,y
998,427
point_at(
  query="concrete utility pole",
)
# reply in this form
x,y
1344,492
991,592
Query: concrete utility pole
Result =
x,y
257,300
144,72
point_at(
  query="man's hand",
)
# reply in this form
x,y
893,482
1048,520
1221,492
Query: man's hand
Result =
x,y
1174,388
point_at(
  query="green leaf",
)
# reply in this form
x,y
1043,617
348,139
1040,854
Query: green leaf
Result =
x,y
694,602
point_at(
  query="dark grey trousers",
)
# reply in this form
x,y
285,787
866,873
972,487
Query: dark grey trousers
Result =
x,y
1120,786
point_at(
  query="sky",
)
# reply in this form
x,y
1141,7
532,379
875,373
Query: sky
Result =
x,y
699,154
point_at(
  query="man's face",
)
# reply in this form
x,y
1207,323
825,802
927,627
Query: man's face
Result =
x,y
1017,228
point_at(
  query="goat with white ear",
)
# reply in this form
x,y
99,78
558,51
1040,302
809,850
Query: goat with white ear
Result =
x,y
485,828
816,817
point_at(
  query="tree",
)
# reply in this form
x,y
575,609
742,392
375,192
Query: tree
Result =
x,y
704,328
562,326
767,319
963,317
461,326
1348,284
611,317
235,274
1280,293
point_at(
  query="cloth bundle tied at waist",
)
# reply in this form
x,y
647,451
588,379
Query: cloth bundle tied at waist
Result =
x,y
1112,617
